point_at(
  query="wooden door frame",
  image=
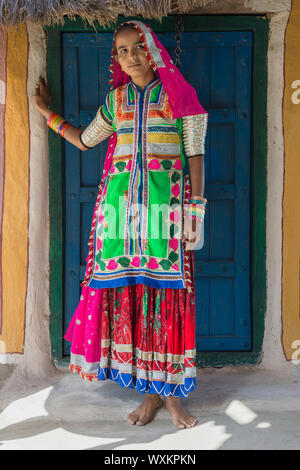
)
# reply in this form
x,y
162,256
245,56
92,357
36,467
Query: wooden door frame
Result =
x,y
259,25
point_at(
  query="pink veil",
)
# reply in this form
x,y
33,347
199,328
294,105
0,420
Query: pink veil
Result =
x,y
182,98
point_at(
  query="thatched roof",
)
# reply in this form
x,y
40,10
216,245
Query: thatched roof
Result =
x,y
46,12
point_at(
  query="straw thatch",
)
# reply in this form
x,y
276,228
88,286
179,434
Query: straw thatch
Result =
x,y
46,12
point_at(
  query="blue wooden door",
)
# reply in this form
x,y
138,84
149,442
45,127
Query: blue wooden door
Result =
x,y
219,66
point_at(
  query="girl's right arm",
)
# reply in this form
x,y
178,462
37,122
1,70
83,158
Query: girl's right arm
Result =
x,y
42,99
72,133
97,131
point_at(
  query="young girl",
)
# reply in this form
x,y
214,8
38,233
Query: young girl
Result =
x,y
135,322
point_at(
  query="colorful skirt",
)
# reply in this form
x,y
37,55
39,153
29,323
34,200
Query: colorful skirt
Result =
x,y
138,336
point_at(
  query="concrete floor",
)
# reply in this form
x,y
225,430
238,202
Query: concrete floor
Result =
x,y
236,408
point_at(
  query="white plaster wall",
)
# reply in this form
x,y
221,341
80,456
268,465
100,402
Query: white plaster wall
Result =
x,y
37,352
2,92
37,357
273,357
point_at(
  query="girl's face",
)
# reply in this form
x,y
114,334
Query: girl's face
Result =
x,y
131,54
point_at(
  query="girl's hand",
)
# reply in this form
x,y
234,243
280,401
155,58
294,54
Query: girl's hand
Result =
x,y
42,96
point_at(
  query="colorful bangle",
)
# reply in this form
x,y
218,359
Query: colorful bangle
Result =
x,y
202,201
57,123
62,133
193,216
195,209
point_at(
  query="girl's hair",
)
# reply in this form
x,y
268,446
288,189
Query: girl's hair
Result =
x,y
124,27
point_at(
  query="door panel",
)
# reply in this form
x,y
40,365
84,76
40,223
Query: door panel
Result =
x,y
219,66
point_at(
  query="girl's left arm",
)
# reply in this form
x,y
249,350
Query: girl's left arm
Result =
x,y
197,174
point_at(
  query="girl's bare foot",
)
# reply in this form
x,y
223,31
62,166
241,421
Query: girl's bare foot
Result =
x,y
178,415
146,411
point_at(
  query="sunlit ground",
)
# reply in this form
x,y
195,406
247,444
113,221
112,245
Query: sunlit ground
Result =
x,y
48,420
234,412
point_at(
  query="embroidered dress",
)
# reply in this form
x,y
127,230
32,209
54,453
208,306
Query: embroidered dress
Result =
x,y
145,178
135,322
